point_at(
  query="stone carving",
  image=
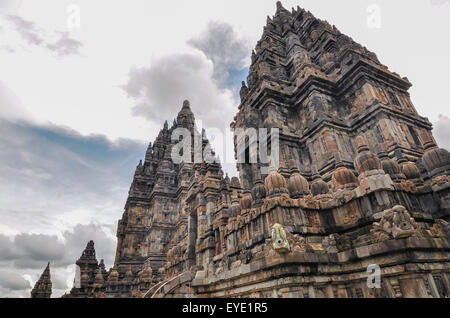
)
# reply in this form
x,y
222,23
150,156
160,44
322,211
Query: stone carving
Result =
x,y
297,242
279,239
244,91
440,229
396,223
440,181
343,196
246,256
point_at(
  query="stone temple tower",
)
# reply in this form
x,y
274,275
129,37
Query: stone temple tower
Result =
x,y
43,287
322,89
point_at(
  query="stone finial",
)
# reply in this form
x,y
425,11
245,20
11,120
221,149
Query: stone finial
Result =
x,y
88,255
391,167
246,201
343,178
275,183
186,104
259,190
113,275
365,160
318,186
99,280
298,186
435,160
235,183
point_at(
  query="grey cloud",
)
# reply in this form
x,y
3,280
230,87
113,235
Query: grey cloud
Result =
x,y
62,166
59,280
224,47
8,251
13,281
202,77
442,132
29,254
52,178
27,30
160,89
65,46
33,35
31,251
39,248
76,240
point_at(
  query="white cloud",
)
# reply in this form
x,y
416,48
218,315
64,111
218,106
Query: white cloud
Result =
x,y
9,6
13,281
61,177
159,90
59,190
11,106
442,132
60,43
225,48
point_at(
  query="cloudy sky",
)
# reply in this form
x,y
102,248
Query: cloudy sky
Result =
x,y
85,85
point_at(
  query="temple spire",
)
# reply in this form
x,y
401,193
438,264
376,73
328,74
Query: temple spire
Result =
x,y
186,117
280,8
43,287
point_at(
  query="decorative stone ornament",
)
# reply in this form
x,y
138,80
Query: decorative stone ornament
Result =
x,y
298,186
396,223
318,186
391,167
436,160
258,190
365,160
343,178
279,239
275,184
